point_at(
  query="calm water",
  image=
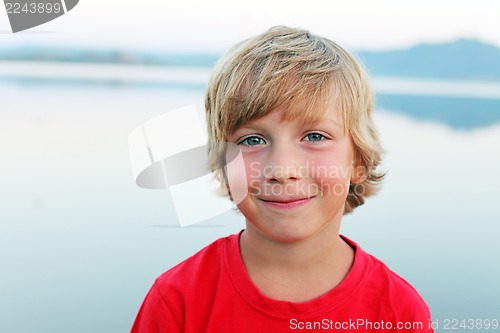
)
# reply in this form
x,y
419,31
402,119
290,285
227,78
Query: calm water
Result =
x,y
80,244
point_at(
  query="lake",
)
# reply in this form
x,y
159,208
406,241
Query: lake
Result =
x,y
80,243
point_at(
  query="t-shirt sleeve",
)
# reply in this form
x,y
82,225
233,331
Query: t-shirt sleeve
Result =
x,y
417,320
155,316
415,312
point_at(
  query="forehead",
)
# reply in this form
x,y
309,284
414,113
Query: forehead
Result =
x,y
307,112
312,112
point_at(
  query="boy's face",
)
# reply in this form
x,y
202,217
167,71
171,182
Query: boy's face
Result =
x,y
297,177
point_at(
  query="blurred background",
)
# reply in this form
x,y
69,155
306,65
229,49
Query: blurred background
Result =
x,y
80,243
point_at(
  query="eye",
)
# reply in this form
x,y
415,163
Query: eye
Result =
x,y
252,141
314,137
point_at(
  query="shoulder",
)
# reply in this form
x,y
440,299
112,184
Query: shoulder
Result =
x,y
387,290
188,285
393,284
199,269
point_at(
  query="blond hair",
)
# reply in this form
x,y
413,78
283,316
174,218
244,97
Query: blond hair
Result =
x,y
295,71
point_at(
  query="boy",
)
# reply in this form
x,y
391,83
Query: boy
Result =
x,y
297,108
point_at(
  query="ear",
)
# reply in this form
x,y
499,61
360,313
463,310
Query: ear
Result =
x,y
359,172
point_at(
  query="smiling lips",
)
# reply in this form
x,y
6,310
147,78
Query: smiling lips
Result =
x,y
286,203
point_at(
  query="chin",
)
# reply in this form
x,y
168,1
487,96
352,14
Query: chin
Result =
x,y
287,234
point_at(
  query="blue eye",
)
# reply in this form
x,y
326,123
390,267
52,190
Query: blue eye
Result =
x,y
252,141
314,137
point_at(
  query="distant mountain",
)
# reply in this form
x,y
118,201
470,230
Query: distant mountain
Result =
x,y
461,59
109,56
458,60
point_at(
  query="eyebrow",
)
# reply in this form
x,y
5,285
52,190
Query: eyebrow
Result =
x,y
247,126
331,121
254,123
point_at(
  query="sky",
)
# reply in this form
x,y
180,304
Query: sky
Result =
x,y
215,25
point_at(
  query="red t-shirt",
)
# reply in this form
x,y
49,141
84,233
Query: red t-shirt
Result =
x,y
212,292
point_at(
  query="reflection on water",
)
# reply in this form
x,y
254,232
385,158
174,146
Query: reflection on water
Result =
x,y
456,112
459,104
80,243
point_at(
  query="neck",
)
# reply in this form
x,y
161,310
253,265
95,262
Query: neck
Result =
x,y
315,251
297,271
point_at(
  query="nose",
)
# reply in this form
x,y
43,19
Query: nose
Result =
x,y
283,164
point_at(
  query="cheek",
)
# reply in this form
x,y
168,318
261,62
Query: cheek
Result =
x,y
236,173
331,175
329,168
253,169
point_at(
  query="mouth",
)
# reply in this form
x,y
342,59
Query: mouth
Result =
x,y
286,203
